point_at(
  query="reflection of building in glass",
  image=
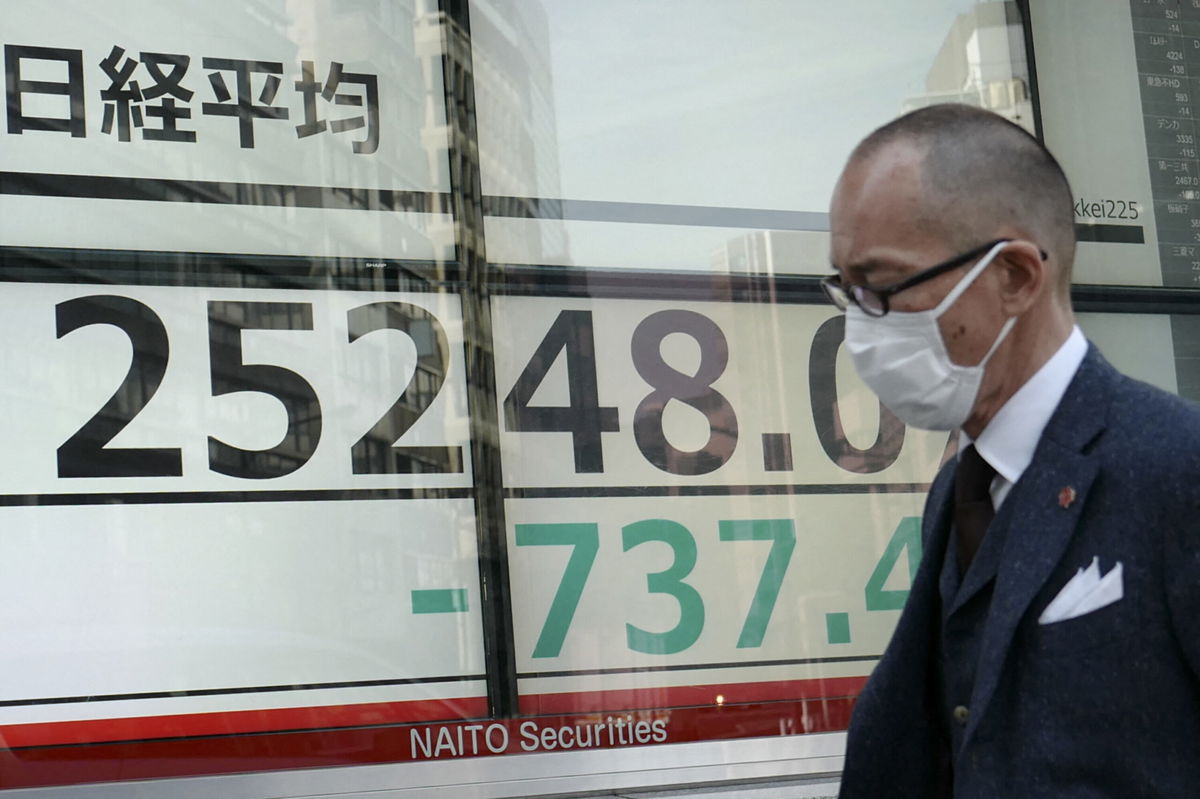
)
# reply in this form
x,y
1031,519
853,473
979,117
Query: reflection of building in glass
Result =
x,y
769,252
982,63
515,96
387,29
508,53
439,138
391,50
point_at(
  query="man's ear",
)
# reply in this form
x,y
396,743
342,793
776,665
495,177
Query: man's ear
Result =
x,y
1023,275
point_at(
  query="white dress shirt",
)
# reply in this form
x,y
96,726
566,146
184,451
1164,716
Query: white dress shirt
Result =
x,y
1010,438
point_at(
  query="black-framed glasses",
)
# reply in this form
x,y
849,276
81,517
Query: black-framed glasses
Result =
x,y
874,301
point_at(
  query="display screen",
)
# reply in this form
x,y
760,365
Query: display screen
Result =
x,y
418,381
681,533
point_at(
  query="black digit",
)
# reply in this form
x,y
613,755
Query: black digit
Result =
x,y
229,375
694,390
822,387
584,419
374,453
86,454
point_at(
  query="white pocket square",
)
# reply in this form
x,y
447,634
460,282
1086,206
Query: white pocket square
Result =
x,y
1085,592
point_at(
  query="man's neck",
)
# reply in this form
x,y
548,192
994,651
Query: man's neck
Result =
x,y
1027,351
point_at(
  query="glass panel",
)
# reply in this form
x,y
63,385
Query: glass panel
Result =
x,y
1122,127
1142,346
1127,339
238,492
708,510
671,131
261,127
306,470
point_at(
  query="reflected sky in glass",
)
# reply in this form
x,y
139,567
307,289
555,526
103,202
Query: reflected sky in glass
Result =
x,y
749,104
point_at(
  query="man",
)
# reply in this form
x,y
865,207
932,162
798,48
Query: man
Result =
x,y
1050,645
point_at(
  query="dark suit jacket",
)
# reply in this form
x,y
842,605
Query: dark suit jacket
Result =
x,y
1103,705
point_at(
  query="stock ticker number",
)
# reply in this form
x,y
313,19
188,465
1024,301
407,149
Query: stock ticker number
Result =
x,y
584,540
572,336
87,454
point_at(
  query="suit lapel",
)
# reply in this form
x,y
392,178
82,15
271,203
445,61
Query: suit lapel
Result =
x,y
1041,527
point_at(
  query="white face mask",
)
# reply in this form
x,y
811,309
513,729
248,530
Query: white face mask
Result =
x,y
901,356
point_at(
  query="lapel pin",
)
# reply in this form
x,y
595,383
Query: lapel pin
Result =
x,y
1066,497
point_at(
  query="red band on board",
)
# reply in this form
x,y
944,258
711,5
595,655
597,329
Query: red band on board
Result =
x,y
242,741
186,725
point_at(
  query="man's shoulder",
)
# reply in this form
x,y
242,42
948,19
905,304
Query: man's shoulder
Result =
x,y
1151,444
1130,414
1143,439
1143,415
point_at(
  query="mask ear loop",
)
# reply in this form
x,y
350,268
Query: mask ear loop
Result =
x,y
1004,331
963,285
969,278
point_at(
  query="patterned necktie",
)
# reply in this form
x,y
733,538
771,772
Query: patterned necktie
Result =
x,y
972,504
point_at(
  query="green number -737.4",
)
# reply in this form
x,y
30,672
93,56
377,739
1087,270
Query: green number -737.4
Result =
x,y
584,539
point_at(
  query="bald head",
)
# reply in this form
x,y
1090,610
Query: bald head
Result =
x,y
978,173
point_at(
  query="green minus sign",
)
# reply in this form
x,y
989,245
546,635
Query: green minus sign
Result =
x,y
440,600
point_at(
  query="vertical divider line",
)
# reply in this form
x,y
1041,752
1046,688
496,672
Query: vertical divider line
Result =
x,y
471,253
1035,99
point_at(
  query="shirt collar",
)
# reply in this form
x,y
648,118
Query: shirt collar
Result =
x,y
1010,438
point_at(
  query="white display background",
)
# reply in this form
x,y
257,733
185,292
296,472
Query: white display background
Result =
x,y
125,599
367,37
372,38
